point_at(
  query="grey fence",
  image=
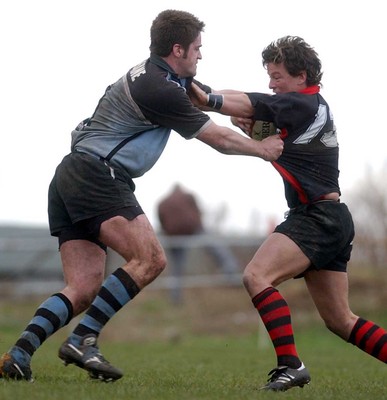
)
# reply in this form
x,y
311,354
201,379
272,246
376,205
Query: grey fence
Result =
x,y
29,257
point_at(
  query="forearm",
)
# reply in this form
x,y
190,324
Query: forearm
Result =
x,y
226,91
227,102
236,104
227,141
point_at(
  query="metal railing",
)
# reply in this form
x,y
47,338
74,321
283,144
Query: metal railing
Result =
x,y
30,257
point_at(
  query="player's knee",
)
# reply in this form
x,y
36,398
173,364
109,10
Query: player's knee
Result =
x,y
153,265
249,279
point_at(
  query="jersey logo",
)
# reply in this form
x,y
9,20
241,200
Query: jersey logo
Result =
x,y
314,129
328,139
138,70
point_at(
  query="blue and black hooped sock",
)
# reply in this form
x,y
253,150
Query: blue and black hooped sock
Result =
x,y
52,314
117,290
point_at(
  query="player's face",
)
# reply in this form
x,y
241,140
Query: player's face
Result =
x,y
282,82
188,63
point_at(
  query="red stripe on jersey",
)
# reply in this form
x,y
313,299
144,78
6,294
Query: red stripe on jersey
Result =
x,y
293,181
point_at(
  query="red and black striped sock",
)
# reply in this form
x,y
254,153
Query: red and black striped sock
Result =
x,y
370,338
275,314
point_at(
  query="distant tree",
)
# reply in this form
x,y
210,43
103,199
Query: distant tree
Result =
x,y
368,204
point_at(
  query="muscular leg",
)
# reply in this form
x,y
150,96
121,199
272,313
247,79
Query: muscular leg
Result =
x,y
329,290
83,270
83,266
144,258
277,260
136,242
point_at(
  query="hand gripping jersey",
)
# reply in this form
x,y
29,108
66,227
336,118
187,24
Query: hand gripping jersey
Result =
x,y
309,162
133,120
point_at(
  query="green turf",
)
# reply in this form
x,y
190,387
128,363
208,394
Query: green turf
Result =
x,y
207,348
204,367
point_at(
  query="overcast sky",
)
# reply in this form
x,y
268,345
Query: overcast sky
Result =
x,y
59,56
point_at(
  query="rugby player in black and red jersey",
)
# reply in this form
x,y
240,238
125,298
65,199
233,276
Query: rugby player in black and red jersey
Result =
x,y
315,239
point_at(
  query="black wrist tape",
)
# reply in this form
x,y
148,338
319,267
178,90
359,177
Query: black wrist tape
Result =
x,y
215,101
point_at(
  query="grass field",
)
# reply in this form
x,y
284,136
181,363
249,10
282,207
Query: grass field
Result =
x,y
205,368
176,353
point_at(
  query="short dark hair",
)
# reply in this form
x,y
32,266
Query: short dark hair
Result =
x,y
297,56
172,27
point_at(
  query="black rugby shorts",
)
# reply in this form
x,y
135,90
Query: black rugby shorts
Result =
x,y
324,231
83,193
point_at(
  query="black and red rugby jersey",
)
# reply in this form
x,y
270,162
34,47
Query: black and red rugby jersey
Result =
x,y
309,162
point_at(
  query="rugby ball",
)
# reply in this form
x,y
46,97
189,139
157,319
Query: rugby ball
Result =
x,y
263,129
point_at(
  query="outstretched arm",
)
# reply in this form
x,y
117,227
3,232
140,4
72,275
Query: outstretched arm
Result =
x,y
228,141
227,102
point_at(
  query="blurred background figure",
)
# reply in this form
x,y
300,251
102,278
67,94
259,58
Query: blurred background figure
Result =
x,y
180,215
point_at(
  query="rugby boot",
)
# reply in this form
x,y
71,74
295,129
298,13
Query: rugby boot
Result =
x,y
284,378
88,357
11,369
